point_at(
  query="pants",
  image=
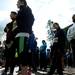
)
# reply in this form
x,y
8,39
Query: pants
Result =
x,y
73,50
56,64
22,48
43,61
34,61
10,58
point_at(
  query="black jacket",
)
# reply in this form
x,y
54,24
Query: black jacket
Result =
x,y
61,37
25,19
60,45
10,35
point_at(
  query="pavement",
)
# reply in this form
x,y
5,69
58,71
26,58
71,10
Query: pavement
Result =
x,y
67,71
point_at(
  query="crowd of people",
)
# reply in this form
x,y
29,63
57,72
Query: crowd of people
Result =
x,y
21,45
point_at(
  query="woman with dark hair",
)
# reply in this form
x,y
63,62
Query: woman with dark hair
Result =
x,y
57,50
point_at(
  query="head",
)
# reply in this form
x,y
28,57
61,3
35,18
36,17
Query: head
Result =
x,y
73,18
13,15
56,26
21,3
43,41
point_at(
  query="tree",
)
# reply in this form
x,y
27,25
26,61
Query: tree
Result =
x,y
49,31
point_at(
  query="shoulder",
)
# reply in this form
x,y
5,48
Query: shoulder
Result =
x,y
60,31
28,9
8,24
70,26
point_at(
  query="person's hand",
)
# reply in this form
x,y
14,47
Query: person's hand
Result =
x,y
29,51
55,39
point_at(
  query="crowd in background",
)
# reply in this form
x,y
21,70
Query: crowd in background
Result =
x,y
21,45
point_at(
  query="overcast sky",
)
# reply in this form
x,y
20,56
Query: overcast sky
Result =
x,y
59,11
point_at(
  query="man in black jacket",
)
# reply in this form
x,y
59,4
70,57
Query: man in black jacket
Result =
x,y
10,30
25,20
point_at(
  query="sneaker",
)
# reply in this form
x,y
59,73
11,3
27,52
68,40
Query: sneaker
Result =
x,y
70,70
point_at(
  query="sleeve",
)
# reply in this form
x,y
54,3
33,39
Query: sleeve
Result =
x,y
30,16
6,28
52,52
70,34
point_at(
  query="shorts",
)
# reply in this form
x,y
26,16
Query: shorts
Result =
x,y
22,49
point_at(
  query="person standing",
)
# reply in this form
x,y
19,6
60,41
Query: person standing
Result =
x,y
25,20
43,57
9,43
32,44
71,37
57,50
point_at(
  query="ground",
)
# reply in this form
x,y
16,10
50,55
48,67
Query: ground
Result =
x,y
67,71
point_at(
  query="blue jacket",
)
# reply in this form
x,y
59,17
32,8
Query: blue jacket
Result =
x,y
32,44
43,48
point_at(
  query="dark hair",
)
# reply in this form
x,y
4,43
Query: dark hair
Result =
x,y
24,1
14,12
43,41
57,25
73,16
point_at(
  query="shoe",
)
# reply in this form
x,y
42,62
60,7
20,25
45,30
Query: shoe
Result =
x,y
70,71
